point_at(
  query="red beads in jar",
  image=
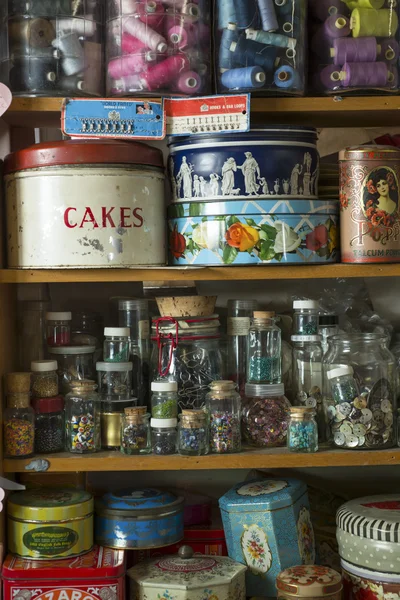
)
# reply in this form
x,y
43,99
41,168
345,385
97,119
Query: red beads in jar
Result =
x,y
265,415
58,328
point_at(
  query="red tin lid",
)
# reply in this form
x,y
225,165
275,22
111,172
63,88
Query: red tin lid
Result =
x,y
98,563
83,152
48,405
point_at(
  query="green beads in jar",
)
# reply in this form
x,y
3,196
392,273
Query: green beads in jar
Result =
x,y
164,400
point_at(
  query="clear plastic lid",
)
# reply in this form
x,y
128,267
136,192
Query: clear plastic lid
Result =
x,y
163,423
41,366
340,371
112,366
299,304
117,331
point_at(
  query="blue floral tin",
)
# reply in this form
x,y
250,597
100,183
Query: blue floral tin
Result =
x,y
271,161
268,528
245,232
139,519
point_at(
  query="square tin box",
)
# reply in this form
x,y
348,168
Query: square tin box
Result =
x,y
268,528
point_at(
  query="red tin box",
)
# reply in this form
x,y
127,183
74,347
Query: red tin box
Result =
x,y
98,575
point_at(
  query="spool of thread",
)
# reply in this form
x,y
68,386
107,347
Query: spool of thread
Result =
x,y
226,13
123,7
180,37
37,33
165,72
145,34
151,13
126,85
354,50
366,22
243,79
228,37
272,39
371,75
189,82
130,64
33,75
389,50
72,84
376,4
268,15
73,61
286,77
328,78
334,27
130,44
322,9
86,27
246,52
246,13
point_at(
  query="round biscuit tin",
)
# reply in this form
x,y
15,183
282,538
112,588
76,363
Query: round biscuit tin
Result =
x,y
369,204
370,584
50,523
309,581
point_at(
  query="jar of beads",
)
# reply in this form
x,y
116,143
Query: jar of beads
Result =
x,y
163,436
193,433
302,430
116,347
74,362
343,384
265,415
82,418
264,349
164,400
115,379
49,424
58,328
44,378
18,426
158,47
224,408
135,431
305,317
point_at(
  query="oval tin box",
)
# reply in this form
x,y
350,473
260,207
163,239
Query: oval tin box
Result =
x,y
279,161
50,523
253,232
139,519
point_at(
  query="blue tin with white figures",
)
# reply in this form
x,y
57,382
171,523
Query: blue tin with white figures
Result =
x,y
271,162
139,519
268,528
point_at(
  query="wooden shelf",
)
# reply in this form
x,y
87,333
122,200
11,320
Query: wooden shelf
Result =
x,y
332,111
276,458
244,273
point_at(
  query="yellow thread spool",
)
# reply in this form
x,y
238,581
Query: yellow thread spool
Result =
x,y
376,4
366,22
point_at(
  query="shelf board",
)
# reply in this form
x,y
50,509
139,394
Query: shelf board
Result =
x,y
276,458
243,273
331,111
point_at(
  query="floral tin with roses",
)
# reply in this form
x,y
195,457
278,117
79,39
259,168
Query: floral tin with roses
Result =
x,y
268,528
365,584
369,204
251,231
309,581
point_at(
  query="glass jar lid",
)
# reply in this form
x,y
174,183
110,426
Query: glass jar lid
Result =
x,y
110,367
264,390
309,581
72,350
42,366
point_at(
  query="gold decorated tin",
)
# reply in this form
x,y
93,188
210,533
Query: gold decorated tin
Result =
x,y
50,523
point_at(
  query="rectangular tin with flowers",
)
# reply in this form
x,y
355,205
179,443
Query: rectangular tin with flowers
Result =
x,y
253,232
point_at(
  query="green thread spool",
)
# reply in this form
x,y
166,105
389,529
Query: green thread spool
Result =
x,y
376,4
366,22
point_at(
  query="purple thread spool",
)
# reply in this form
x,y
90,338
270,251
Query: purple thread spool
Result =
x,y
371,75
389,50
241,79
189,83
322,9
334,27
328,78
268,15
354,50
246,13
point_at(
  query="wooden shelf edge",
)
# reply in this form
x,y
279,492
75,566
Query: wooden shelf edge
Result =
x,y
277,458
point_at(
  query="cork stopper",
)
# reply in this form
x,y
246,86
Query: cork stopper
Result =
x,y
299,412
18,383
83,385
18,400
192,419
264,314
135,414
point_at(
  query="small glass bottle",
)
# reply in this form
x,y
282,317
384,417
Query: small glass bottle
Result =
x,y
115,379
343,385
163,436
264,349
49,425
302,430
164,400
44,378
74,362
116,347
135,431
18,426
305,317
238,326
307,370
328,325
265,415
224,407
82,418
193,433
58,328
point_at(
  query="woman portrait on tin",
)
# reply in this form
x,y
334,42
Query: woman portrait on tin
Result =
x,y
380,197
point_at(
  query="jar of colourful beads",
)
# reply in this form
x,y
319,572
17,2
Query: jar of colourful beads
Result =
x,y
265,415
164,400
193,434
305,317
135,431
82,418
302,430
264,349
163,436
224,408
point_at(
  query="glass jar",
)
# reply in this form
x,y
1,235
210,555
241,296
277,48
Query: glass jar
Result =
x,y
74,363
265,415
343,385
224,408
193,433
187,351
305,317
164,400
328,325
87,330
58,328
302,433
31,332
135,431
261,48
307,375
264,349
111,411
115,379
82,418
238,326
116,347
44,378
163,436
49,425
158,48
365,421
52,48
18,426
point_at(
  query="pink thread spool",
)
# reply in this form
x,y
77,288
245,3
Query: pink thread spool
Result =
x,y
130,44
180,37
389,50
354,50
371,75
151,13
189,82
322,9
130,64
145,34
165,72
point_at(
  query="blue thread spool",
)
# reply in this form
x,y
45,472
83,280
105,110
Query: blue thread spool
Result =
x,y
249,53
226,13
286,77
246,13
272,39
241,79
268,15
226,58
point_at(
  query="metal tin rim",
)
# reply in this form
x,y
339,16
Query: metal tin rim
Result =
x,y
52,513
141,514
54,522
105,542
